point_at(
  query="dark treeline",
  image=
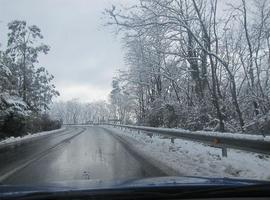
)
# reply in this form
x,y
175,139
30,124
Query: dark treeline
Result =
x,y
196,64
25,89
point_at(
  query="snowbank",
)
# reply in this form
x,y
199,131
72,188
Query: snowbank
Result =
x,y
195,159
12,139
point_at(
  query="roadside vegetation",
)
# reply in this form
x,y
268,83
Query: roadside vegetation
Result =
x,y
190,67
26,90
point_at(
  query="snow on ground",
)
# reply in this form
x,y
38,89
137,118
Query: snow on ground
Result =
x,y
190,158
27,137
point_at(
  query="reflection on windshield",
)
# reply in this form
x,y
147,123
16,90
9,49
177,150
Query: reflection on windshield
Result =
x,y
122,90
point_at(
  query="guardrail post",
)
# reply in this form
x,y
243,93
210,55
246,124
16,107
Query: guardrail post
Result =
x,y
224,152
172,140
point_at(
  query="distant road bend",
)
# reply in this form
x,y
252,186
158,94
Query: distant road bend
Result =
x,y
77,153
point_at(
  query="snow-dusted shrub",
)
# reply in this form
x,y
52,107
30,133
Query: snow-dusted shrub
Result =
x,y
196,117
260,125
155,118
154,115
170,118
17,119
12,105
162,114
17,125
48,124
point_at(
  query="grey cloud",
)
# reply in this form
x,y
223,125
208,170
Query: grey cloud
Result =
x,y
83,52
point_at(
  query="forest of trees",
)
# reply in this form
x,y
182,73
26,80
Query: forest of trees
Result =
x,y
25,89
76,112
195,64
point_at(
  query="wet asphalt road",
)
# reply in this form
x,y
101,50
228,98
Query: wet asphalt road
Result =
x,y
78,153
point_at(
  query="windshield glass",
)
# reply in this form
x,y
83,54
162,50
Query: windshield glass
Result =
x,y
115,90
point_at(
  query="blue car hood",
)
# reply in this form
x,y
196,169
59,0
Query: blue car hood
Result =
x,y
118,184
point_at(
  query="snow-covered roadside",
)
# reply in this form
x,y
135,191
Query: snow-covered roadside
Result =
x,y
12,139
195,159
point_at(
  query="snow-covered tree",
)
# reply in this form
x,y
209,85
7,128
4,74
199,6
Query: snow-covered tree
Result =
x,y
75,112
33,84
25,88
208,71
121,102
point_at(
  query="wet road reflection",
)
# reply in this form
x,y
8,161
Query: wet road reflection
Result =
x,y
94,154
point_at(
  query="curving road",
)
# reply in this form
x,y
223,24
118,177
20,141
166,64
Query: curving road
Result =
x,y
77,153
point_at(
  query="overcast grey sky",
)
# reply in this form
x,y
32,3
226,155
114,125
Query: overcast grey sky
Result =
x,y
84,55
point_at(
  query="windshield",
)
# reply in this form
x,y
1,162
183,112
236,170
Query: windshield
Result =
x,y
110,90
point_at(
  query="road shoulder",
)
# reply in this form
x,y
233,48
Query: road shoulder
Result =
x,y
150,162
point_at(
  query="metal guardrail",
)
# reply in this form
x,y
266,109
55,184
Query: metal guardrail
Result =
x,y
223,142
